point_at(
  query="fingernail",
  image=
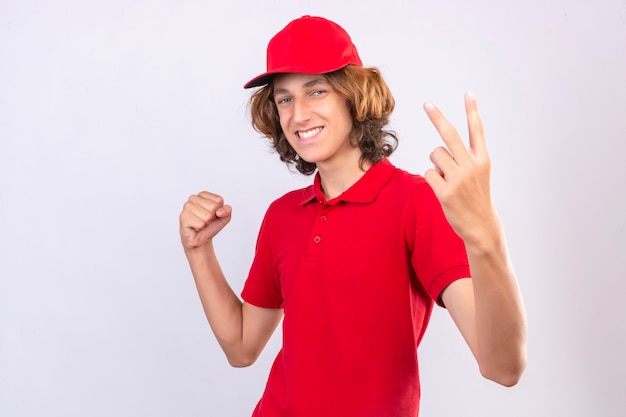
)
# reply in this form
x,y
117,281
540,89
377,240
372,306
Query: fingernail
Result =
x,y
471,96
429,106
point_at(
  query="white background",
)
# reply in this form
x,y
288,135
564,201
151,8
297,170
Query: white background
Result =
x,y
113,112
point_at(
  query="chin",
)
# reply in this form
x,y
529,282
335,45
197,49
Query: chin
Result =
x,y
311,159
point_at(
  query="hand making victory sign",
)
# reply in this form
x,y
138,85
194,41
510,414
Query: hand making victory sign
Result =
x,y
487,309
461,176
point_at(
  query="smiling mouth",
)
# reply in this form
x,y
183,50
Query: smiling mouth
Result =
x,y
307,134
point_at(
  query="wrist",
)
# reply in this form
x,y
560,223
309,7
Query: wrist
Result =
x,y
202,251
487,238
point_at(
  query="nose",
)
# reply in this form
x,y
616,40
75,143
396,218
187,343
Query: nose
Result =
x,y
301,111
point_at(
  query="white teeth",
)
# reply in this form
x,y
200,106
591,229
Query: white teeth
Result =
x,y
309,133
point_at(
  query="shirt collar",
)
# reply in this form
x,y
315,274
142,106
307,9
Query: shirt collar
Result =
x,y
364,190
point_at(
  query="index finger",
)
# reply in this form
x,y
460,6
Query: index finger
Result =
x,y
475,126
207,201
447,132
207,196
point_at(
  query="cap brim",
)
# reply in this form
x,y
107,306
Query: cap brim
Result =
x,y
262,79
266,77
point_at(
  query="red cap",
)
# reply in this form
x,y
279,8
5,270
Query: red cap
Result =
x,y
308,45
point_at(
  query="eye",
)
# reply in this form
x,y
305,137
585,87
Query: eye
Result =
x,y
317,92
283,100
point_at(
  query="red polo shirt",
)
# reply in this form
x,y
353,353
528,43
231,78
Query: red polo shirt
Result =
x,y
357,277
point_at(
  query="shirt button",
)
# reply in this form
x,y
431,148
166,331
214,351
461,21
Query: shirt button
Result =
x,y
323,218
317,239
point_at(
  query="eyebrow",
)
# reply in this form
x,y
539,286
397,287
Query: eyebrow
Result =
x,y
305,85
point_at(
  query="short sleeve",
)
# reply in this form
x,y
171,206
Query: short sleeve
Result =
x,y
262,287
438,253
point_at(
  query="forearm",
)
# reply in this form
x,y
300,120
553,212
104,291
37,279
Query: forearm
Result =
x,y
221,305
500,345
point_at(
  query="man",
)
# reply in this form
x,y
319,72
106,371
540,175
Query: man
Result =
x,y
356,261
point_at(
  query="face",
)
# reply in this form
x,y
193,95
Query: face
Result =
x,y
315,119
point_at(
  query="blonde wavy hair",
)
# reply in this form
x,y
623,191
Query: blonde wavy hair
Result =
x,y
368,99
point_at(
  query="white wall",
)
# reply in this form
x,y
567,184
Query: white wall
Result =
x,y
113,112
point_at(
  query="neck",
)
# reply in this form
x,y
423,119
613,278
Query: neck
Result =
x,y
341,175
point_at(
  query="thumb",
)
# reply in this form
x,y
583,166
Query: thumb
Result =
x,y
224,213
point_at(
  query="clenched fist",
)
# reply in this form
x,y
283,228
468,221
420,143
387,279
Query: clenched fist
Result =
x,y
203,216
